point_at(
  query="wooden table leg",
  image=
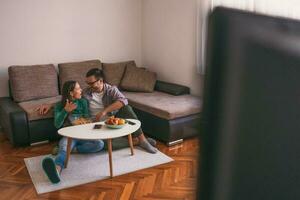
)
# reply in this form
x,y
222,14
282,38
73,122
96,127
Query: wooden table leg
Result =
x,y
69,142
110,157
130,143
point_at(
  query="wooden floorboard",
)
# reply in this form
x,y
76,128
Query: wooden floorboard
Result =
x,y
174,180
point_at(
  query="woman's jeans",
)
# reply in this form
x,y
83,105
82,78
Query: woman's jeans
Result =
x,y
82,146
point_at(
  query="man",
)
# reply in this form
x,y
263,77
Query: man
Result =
x,y
105,100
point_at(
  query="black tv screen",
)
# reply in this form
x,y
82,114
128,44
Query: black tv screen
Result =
x,y
250,144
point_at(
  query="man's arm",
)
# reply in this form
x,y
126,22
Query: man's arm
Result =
x,y
116,95
114,106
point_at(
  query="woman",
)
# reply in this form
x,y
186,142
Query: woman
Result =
x,y
72,110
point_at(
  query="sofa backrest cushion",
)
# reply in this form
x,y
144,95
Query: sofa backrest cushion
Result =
x,y
76,71
113,72
33,82
137,79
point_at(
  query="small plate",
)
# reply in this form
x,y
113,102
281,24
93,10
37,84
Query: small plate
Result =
x,y
115,126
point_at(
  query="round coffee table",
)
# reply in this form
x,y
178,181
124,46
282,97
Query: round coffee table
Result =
x,y
87,132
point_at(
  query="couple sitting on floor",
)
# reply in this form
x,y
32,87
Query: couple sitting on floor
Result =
x,y
100,99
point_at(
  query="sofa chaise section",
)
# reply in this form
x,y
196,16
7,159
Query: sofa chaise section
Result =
x,y
167,117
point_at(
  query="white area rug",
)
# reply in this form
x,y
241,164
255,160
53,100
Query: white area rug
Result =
x,y
86,168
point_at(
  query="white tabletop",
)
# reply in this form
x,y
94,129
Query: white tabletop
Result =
x,y
86,131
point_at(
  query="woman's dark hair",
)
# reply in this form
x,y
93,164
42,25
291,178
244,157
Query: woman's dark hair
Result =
x,y
95,72
67,88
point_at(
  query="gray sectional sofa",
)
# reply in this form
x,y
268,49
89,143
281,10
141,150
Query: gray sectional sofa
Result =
x,y
167,111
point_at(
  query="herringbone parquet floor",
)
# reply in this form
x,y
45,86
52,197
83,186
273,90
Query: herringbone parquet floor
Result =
x,y
175,180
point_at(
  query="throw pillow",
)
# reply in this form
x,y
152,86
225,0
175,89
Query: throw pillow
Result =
x,y
113,72
138,80
171,88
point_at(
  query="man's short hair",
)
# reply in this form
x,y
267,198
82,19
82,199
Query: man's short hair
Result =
x,y
95,72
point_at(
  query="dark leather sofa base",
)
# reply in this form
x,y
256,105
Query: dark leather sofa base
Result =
x,y
13,120
18,130
42,130
172,131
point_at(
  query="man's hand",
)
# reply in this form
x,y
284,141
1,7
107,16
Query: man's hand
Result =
x,y
70,106
43,109
114,106
100,115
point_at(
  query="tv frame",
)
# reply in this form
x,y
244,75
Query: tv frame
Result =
x,y
240,108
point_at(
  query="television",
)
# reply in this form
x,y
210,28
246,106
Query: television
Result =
x,y
250,142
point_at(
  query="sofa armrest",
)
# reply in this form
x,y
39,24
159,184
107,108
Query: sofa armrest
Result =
x,y
171,88
14,122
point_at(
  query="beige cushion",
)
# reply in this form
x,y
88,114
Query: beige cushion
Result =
x,y
33,82
165,105
30,107
76,71
138,80
113,72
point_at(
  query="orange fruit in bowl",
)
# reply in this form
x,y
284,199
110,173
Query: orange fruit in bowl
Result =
x,y
109,121
115,121
121,121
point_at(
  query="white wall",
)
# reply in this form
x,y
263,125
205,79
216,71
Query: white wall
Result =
x,y
169,34
54,31
159,34
169,41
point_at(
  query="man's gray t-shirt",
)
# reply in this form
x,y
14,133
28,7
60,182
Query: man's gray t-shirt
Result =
x,y
96,104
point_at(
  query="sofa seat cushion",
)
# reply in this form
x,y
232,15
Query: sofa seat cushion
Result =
x,y
76,71
30,107
165,105
33,82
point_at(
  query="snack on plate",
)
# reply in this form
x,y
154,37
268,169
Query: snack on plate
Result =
x,y
115,121
81,120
